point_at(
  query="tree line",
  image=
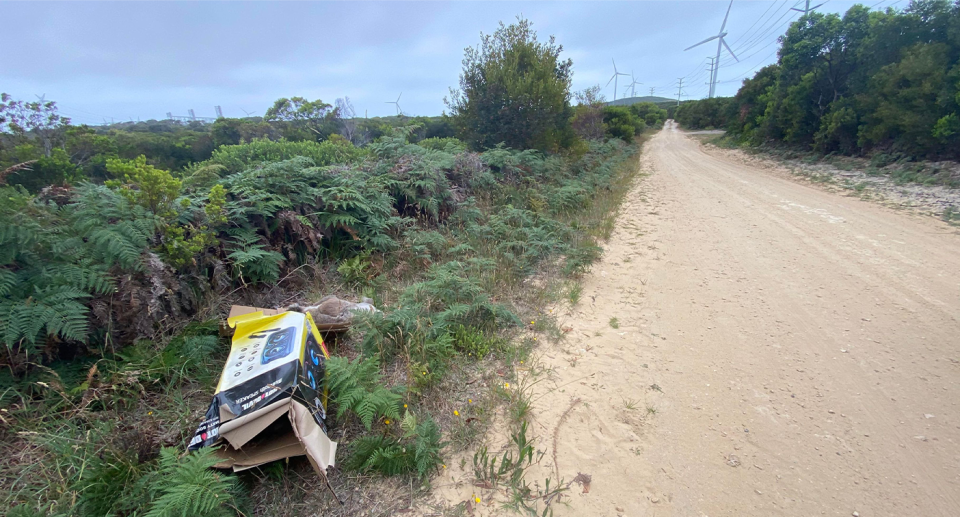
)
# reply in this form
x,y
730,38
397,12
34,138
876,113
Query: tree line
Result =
x,y
863,83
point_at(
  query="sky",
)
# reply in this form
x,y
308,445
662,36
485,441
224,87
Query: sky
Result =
x,y
140,60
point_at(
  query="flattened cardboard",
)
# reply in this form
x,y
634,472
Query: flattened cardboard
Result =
x,y
276,369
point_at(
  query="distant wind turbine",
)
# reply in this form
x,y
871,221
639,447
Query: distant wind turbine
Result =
x,y
633,85
397,104
616,74
720,44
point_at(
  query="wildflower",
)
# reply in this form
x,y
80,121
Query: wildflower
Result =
x,y
521,362
444,466
149,412
424,373
404,406
456,413
477,499
470,401
532,322
506,385
386,422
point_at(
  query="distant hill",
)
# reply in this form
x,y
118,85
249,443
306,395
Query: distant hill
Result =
x,y
633,100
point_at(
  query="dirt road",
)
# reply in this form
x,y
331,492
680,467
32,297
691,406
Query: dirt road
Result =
x,y
781,351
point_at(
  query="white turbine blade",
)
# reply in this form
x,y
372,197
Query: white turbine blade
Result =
x,y
398,96
614,65
725,17
711,38
818,5
728,49
797,10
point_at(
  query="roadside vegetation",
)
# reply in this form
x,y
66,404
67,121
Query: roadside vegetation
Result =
x,y
122,247
884,85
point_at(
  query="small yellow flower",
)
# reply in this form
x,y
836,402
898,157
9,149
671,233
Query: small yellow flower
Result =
x,y
477,499
455,412
470,401
404,406
532,322
506,385
444,466
386,422
424,373
521,362
149,412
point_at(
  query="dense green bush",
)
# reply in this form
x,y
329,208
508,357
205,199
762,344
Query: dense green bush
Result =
x,y
514,90
237,158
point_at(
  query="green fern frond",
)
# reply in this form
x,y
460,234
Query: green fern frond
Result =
x,y
189,488
356,388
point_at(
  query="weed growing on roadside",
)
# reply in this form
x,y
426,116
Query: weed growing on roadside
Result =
x,y
573,294
509,475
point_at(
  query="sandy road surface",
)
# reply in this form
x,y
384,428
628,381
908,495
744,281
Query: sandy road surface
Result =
x,y
781,351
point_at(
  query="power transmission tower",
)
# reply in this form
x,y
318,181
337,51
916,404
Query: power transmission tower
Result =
x,y
679,90
219,111
806,10
709,83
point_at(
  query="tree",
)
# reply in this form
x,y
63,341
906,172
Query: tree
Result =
x,y
300,119
588,114
347,118
514,90
33,119
622,123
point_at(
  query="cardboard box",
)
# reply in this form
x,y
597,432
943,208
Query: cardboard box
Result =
x,y
271,400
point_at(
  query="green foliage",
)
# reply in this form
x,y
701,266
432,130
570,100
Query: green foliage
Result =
x,y
187,487
53,260
144,185
252,262
622,122
302,120
514,90
704,114
510,474
356,388
238,158
55,169
416,449
449,144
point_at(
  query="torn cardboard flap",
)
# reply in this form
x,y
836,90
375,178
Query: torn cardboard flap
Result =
x,y
271,400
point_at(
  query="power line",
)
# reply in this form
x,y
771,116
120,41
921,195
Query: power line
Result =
x,y
744,33
772,30
762,33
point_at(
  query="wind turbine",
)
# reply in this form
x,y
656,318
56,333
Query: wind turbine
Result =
x,y
616,74
633,84
806,10
248,113
720,44
397,104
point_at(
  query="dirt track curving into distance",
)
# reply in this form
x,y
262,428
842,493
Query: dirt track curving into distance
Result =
x,y
781,350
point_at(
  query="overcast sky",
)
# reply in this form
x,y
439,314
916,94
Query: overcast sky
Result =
x,y
140,60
